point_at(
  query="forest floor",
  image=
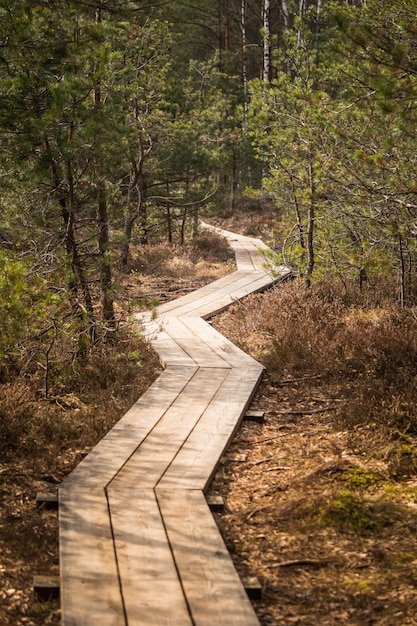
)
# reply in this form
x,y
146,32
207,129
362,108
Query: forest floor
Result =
x,y
321,498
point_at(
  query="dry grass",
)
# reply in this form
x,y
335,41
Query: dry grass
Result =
x,y
324,509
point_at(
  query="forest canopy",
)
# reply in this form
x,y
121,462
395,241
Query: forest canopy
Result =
x,y
122,121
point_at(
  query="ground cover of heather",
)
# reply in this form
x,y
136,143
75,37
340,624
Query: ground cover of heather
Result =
x,y
320,498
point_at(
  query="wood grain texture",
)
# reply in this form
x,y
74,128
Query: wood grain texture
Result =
x,y
197,460
90,590
233,355
151,589
149,462
214,591
113,451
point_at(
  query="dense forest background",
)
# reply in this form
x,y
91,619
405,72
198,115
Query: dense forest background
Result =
x,y
124,121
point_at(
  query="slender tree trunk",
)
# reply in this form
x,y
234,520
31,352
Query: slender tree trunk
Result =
x,y
134,209
78,277
72,249
220,33
107,304
409,272
286,13
318,29
169,223
244,63
266,74
293,186
310,222
196,220
127,234
183,222
233,182
401,270
106,284
301,13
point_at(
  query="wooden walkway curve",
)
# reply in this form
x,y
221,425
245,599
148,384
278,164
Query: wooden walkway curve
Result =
x,y
138,543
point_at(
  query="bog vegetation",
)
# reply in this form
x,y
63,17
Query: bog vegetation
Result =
x,y
122,123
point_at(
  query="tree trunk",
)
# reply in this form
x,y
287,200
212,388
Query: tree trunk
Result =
x,y
301,13
244,62
310,222
107,305
169,223
134,210
72,249
318,29
106,285
233,182
183,222
286,13
401,270
196,221
266,74
78,278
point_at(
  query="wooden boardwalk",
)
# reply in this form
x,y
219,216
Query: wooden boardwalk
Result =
x,y
138,543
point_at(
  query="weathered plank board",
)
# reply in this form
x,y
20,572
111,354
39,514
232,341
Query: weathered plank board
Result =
x,y
208,291
169,350
218,343
213,588
152,592
247,256
193,344
197,460
146,466
90,590
215,302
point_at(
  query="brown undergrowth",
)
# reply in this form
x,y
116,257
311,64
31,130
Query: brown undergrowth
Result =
x,y
324,509
43,438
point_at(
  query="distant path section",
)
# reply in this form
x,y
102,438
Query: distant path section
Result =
x,y
138,543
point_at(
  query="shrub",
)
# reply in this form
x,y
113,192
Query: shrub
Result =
x,y
24,298
212,247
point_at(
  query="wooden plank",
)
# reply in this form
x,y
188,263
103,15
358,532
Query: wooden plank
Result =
x,y
106,459
212,586
253,587
197,460
232,237
149,462
250,255
193,344
151,591
202,292
243,256
217,342
208,309
255,416
47,499
148,324
224,295
46,588
90,590
215,503
170,351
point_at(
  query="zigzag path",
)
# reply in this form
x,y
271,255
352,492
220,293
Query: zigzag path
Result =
x,y
138,543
